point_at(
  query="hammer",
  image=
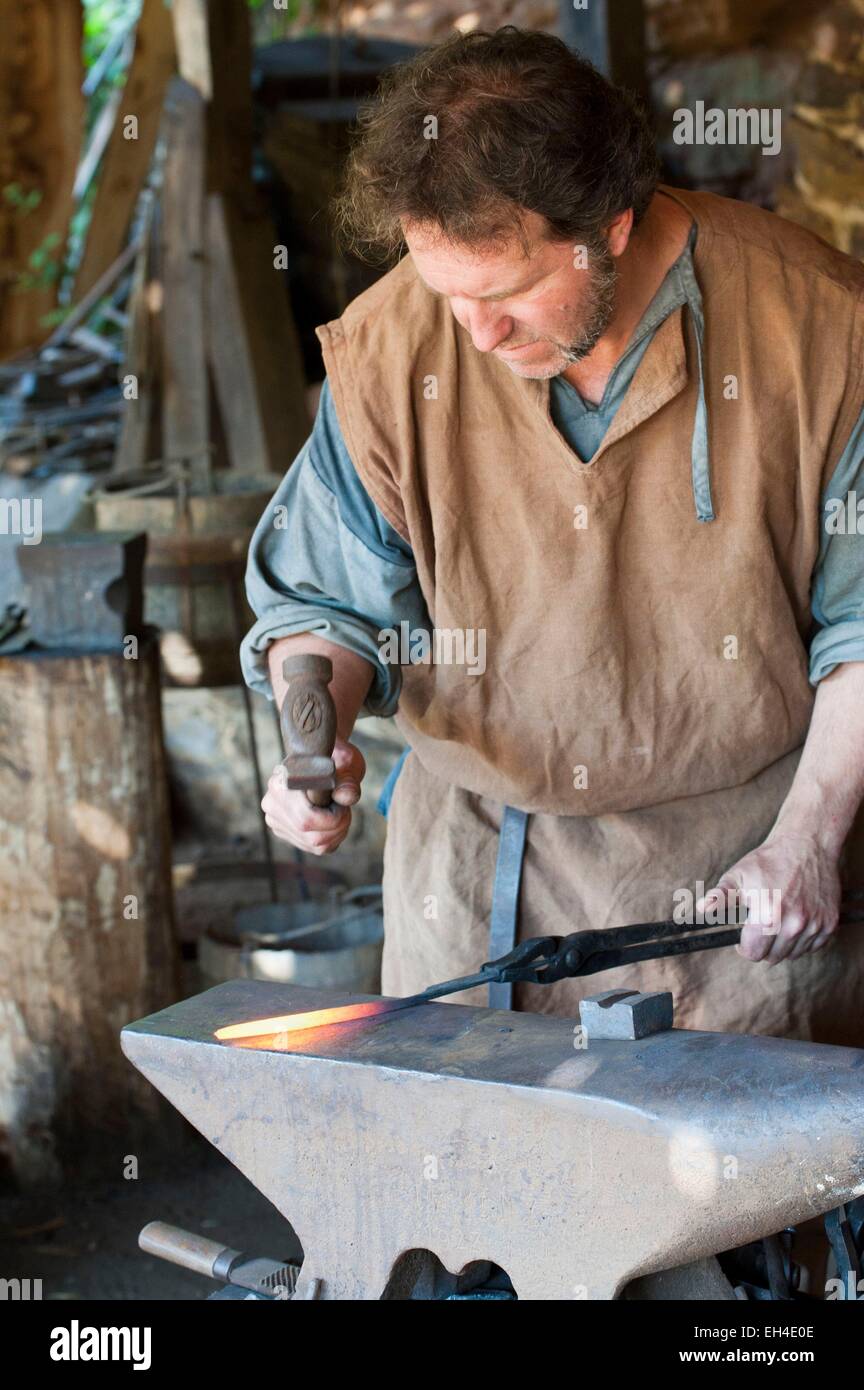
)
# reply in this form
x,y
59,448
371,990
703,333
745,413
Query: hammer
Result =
x,y
308,725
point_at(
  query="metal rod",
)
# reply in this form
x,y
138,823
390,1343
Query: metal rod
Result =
x,y
253,748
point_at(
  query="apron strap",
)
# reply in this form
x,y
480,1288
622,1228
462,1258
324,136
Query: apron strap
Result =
x,y
383,803
505,897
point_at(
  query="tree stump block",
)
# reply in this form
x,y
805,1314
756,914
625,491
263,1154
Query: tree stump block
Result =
x,y
86,924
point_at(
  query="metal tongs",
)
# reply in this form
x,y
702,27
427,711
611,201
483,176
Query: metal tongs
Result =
x,y
542,960
539,961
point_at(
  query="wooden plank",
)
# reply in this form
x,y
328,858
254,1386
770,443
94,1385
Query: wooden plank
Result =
x,y
185,394
133,445
192,41
126,162
214,52
230,358
84,306
97,144
256,313
229,151
41,115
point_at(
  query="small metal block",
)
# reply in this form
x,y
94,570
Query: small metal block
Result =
x,y
625,1013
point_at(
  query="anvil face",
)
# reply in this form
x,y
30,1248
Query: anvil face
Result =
x,y
485,1135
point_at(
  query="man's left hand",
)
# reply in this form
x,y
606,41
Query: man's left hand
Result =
x,y
791,888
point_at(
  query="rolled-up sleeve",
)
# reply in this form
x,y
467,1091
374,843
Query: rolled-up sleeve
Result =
x,y
323,559
838,581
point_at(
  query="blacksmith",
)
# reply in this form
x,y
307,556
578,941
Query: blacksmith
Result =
x,y
605,432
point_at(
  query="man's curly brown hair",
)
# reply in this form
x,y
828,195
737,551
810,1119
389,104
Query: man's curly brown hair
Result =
x,y
523,123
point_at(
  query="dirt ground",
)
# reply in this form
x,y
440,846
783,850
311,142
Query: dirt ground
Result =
x,y
82,1241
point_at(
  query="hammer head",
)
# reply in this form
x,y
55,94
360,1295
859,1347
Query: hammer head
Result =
x,y
306,772
308,723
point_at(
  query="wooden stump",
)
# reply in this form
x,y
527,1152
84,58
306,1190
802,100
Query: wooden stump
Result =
x,y
86,926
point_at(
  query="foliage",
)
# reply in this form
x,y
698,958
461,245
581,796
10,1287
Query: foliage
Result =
x,y
102,19
297,16
23,201
43,266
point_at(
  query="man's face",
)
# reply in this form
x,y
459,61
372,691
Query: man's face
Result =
x,y
538,313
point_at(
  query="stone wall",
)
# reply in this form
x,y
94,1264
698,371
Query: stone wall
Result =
x,y
826,191
806,59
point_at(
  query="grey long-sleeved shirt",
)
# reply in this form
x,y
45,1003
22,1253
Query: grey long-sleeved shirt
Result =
x,y
323,558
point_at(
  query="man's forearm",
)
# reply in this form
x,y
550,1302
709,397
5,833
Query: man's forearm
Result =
x,y
829,782
352,675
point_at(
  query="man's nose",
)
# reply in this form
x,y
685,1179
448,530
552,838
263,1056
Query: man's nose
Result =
x,y
489,328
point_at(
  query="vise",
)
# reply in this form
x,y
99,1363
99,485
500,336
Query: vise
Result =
x,y
571,1160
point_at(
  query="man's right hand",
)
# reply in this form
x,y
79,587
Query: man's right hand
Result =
x,y
292,817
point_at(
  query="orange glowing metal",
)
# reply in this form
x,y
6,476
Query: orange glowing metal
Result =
x,y
292,1023
343,1013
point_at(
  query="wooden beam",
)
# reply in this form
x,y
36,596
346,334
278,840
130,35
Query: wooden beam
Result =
x,y
252,342
237,389
127,161
185,393
214,52
133,448
191,39
261,397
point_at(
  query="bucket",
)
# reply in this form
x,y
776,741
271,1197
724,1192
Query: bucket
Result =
x,y
334,945
198,533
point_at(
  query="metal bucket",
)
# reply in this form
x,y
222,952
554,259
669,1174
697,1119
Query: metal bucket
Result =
x,y
334,944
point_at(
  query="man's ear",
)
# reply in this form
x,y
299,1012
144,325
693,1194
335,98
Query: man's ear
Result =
x,y
618,232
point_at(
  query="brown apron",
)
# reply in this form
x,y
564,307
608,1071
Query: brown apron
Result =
x,y
645,692
584,872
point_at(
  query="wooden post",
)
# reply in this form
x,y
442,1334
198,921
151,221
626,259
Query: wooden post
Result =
x,y
261,401
185,389
87,938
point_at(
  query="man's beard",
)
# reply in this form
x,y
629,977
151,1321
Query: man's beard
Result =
x,y
598,306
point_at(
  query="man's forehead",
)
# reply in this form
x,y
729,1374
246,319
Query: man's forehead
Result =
x,y
451,268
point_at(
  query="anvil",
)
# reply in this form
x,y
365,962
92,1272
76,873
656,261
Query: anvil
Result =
x,y
482,1135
